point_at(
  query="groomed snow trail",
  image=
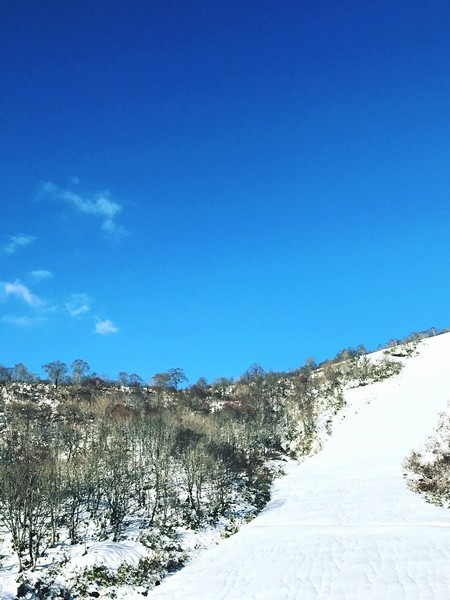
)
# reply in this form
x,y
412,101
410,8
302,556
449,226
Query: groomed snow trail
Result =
x,y
343,525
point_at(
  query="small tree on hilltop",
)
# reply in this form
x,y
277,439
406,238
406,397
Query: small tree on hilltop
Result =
x,y
161,380
135,380
5,374
169,379
123,378
20,373
56,371
177,376
80,370
255,373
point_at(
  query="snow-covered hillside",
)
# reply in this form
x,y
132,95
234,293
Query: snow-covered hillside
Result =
x,y
343,524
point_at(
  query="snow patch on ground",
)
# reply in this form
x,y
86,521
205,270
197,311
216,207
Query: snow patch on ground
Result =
x,y
110,554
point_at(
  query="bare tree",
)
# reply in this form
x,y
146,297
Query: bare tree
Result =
x,y
5,374
20,373
80,370
123,378
26,470
169,379
177,376
56,371
161,380
135,380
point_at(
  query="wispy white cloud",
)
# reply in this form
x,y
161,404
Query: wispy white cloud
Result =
x,y
22,321
17,241
21,292
98,204
41,274
105,327
78,304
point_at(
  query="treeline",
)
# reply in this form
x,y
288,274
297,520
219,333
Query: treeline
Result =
x,y
58,373
79,371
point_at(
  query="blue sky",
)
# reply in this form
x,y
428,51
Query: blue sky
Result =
x,y
206,185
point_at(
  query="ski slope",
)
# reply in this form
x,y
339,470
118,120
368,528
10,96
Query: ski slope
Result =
x,y
343,524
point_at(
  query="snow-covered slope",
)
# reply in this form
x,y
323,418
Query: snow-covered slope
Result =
x,y
343,525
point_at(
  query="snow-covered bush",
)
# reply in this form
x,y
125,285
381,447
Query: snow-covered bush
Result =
x,y
428,470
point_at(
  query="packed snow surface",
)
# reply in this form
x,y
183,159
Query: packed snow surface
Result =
x,y
343,524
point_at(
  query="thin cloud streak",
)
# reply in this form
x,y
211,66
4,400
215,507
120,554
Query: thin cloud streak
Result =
x,y
18,241
22,321
41,274
21,292
98,204
78,304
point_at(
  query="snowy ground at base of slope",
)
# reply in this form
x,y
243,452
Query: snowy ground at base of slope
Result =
x,y
343,525
64,564
69,561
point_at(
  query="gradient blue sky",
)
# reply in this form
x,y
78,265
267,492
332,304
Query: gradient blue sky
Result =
x,y
209,184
